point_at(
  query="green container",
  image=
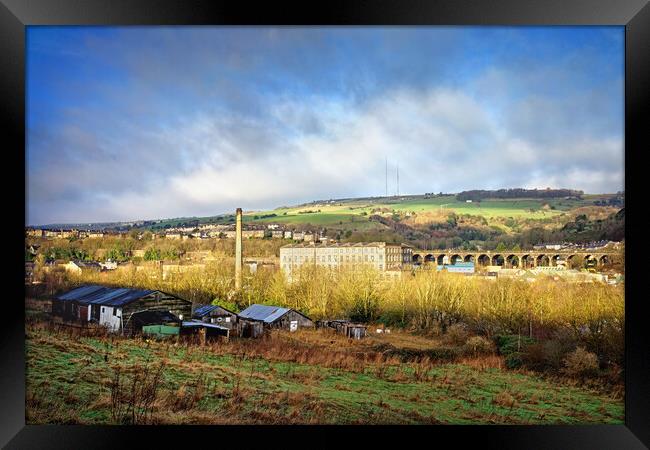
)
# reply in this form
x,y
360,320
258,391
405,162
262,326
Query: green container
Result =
x,y
160,330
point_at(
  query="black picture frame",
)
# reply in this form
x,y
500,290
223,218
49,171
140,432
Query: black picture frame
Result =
x,y
15,15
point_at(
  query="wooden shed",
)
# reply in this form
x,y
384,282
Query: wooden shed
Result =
x,y
271,317
204,331
114,307
346,328
215,314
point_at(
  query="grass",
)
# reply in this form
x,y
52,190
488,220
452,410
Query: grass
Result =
x,y
291,379
355,213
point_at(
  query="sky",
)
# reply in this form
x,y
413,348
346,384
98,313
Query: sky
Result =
x,y
133,123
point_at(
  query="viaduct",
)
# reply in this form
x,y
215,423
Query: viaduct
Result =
x,y
510,259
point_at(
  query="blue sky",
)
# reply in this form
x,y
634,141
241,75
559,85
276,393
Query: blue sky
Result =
x,y
133,123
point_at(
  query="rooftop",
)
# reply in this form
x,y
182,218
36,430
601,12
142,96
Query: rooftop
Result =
x,y
202,310
101,295
264,313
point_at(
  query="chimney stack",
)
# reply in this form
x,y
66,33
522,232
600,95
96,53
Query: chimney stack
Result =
x,y
238,252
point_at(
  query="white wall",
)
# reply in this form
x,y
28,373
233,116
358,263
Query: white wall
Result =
x,y
107,318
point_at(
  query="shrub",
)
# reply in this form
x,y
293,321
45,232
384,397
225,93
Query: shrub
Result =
x,y
514,360
457,334
477,345
581,363
511,343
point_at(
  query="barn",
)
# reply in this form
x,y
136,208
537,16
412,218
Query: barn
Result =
x,y
271,317
215,314
119,309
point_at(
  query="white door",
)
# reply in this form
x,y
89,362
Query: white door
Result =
x,y
293,326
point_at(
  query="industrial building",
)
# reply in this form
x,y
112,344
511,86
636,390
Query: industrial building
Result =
x,y
459,267
378,255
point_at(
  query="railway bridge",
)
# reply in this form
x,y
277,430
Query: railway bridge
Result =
x,y
520,259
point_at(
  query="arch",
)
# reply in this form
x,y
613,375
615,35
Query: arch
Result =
x,y
469,258
454,259
416,258
498,260
604,260
542,260
429,258
527,261
483,260
590,261
555,259
572,261
440,260
512,261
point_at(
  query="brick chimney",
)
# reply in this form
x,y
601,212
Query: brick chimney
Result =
x,y
238,249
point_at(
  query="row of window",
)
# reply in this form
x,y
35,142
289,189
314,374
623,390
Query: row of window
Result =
x,y
322,258
287,267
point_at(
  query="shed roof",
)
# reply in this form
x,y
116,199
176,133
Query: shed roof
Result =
x,y
193,324
203,310
87,264
264,313
101,295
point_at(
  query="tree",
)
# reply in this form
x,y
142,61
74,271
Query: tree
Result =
x,y
501,247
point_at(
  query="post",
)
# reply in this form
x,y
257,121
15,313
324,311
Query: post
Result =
x,y
238,249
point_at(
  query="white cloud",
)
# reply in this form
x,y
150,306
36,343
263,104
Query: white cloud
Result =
x,y
443,140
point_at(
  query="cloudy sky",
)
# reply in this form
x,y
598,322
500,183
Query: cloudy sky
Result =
x,y
153,122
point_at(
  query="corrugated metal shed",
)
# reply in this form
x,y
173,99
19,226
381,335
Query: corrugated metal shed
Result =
x,y
101,295
264,313
202,310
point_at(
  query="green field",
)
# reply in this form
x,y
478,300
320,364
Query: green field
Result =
x,y
355,213
69,377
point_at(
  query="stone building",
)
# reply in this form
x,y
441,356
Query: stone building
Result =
x,y
378,255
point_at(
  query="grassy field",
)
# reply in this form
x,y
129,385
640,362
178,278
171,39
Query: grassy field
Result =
x,y
356,212
306,377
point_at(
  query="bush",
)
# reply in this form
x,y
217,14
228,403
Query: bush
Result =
x,y
581,363
477,345
457,334
511,343
514,360
549,354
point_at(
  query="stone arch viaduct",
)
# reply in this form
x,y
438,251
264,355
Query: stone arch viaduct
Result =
x,y
511,259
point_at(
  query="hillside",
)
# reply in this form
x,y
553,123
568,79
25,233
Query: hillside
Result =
x,y
443,221
438,220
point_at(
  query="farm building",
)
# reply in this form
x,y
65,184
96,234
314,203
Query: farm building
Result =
x,y
115,307
255,318
215,314
345,327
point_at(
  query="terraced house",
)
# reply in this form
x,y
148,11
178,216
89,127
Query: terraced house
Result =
x,y
378,255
